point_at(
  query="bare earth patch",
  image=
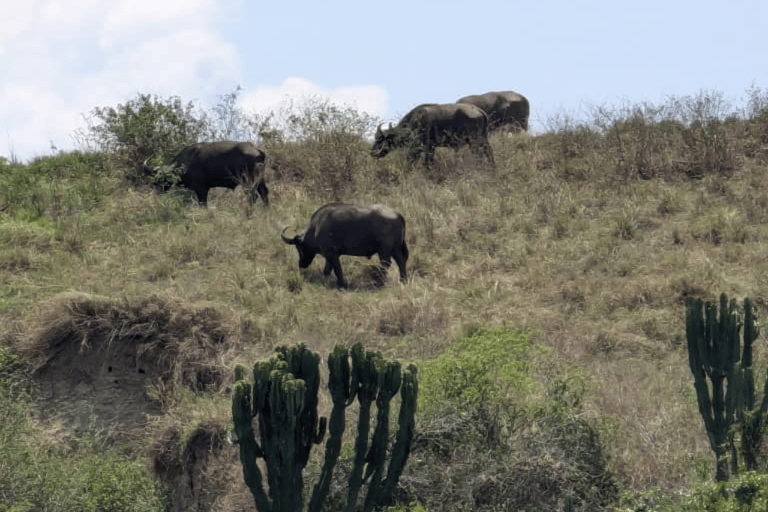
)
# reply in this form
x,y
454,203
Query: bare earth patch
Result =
x,y
106,364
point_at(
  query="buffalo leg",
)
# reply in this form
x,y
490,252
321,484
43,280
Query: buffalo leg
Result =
x,y
414,156
400,259
386,261
489,154
202,196
263,191
483,152
336,264
327,269
429,157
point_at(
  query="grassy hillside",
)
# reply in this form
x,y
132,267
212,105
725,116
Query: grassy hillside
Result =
x,y
587,239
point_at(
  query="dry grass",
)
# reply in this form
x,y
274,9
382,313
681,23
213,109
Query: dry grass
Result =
x,y
568,238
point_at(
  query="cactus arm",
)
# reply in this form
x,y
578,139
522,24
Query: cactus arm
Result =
x,y
409,390
389,384
249,448
366,393
697,352
339,386
751,332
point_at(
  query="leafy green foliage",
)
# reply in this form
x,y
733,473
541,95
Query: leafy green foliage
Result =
x,y
524,446
746,492
486,366
537,457
146,125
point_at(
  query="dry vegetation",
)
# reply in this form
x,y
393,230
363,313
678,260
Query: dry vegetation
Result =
x,y
587,237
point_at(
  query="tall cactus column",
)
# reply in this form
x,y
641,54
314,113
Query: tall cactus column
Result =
x,y
714,353
284,401
343,388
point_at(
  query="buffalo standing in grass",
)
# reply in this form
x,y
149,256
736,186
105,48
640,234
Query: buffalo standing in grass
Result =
x,y
219,164
337,229
505,109
429,126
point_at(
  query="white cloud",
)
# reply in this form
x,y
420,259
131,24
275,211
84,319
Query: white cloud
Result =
x,y
15,20
136,19
62,58
365,98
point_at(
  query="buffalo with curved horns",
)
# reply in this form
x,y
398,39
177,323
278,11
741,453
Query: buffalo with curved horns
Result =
x,y
504,108
219,164
338,229
431,125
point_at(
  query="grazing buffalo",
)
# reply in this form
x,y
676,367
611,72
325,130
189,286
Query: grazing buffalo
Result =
x,y
505,109
337,229
429,126
219,164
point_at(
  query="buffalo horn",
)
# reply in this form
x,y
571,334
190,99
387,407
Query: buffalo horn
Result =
x,y
287,240
147,170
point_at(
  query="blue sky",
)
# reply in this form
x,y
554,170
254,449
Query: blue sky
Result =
x,y
61,58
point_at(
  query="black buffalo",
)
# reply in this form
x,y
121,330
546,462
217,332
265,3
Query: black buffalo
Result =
x,y
429,126
337,229
505,109
220,164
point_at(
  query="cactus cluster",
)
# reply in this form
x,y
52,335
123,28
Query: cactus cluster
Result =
x,y
715,352
283,401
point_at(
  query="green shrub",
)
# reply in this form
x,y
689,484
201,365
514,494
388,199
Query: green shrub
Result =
x,y
486,366
146,125
544,456
746,492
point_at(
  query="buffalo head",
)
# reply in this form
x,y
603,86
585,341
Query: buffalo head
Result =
x,y
382,143
306,255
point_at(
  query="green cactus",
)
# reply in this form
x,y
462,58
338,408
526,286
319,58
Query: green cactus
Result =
x,y
342,394
283,399
368,385
715,353
409,390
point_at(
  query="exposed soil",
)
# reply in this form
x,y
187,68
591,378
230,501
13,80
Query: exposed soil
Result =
x,y
105,364
103,386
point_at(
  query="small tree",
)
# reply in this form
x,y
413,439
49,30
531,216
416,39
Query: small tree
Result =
x,y
283,401
715,353
144,126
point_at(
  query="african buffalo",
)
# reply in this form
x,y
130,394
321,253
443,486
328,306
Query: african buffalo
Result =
x,y
504,109
337,229
430,125
219,164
